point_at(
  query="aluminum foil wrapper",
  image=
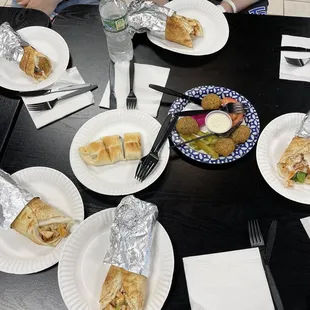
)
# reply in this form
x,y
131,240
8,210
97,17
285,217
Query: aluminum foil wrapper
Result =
x,y
147,16
13,199
11,44
132,235
304,129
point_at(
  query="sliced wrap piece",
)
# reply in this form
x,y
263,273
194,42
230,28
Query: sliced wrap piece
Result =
x,y
296,158
123,290
182,30
35,64
42,223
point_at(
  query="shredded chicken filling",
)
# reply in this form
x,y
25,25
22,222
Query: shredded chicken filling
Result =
x,y
41,66
295,165
119,302
44,65
190,25
52,231
194,25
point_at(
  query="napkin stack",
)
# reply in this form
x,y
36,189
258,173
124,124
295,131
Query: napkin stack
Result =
x,y
148,100
290,72
231,280
62,108
306,224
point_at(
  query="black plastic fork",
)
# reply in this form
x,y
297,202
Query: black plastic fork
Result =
x,y
147,163
48,105
131,101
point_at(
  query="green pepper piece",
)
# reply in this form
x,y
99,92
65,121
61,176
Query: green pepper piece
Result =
x,y
299,177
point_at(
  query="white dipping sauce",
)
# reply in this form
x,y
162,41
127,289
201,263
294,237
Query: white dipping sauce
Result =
x,y
218,122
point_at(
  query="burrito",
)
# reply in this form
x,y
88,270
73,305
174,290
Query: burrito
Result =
x,y
123,290
182,30
294,165
35,64
42,223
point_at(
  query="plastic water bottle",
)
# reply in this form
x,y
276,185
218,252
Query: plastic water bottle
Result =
x,y
115,23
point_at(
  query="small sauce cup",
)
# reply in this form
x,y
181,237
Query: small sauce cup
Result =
x,y
218,122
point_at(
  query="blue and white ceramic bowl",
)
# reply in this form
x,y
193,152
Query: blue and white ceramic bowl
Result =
x,y
251,120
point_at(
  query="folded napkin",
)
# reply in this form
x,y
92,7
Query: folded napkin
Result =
x,y
62,108
306,224
290,72
230,280
148,100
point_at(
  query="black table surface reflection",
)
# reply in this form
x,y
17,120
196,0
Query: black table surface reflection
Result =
x,y
204,209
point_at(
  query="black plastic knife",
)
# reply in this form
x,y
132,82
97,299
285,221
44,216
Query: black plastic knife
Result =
x,y
172,92
293,49
270,240
266,258
42,92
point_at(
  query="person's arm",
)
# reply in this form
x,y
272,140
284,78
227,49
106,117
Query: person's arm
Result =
x,y
46,6
239,4
161,2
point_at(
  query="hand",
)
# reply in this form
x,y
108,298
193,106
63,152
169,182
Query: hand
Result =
x,y
161,2
46,6
23,2
227,7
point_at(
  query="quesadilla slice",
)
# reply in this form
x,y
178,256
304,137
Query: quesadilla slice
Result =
x,y
42,223
35,64
294,165
182,30
122,290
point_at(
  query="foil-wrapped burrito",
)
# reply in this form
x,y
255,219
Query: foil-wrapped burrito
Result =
x,y
147,16
13,199
15,49
162,22
304,129
129,254
11,44
294,164
29,215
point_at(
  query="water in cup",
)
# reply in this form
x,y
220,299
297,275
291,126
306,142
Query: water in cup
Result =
x,y
115,23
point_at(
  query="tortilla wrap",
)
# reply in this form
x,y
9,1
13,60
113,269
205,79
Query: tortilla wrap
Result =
x,y
42,224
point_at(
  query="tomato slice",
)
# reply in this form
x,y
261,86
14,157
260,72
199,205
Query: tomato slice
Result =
x,y
236,118
226,100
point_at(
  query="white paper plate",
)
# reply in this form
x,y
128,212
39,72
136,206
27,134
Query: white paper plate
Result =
x,y
272,143
81,272
213,22
18,254
47,42
117,179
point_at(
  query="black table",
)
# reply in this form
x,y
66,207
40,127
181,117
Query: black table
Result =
x,y
204,209
9,104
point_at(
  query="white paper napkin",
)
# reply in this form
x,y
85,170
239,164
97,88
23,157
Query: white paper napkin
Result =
x,y
306,224
230,280
290,72
148,100
62,108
